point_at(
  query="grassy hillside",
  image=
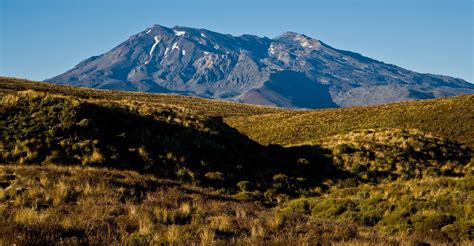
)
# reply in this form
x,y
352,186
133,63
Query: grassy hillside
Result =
x,y
198,105
42,128
439,209
451,118
395,153
84,205
94,167
78,206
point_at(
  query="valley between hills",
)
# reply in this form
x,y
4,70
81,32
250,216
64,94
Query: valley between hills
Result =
x,y
88,166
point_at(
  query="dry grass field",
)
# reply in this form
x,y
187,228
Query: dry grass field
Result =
x,y
447,117
82,166
198,105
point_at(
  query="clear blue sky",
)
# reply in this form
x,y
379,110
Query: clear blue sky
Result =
x,y
42,38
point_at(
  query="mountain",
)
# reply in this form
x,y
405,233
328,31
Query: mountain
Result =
x,y
291,70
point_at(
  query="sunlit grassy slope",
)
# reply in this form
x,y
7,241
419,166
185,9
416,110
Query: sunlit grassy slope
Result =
x,y
197,105
452,118
88,166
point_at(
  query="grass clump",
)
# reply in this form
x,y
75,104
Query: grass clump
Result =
x,y
430,208
126,206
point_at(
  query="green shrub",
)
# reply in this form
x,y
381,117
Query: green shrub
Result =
x,y
84,123
244,185
302,161
358,168
343,149
369,217
281,182
301,205
184,174
215,176
433,221
459,231
270,195
331,208
250,196
280,178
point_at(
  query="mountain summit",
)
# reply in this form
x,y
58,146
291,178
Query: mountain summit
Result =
x,y
291,70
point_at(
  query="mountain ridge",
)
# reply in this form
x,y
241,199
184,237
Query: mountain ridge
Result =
x,y
200,62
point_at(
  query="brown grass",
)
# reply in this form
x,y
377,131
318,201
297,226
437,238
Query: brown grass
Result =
x,y
447,117
198,105
104,206
395,156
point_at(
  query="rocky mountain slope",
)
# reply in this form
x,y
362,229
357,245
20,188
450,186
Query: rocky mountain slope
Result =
x,y
291,70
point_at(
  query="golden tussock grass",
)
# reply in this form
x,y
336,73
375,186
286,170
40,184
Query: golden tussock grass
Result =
x,y
395,161
445,117
198,105
161,212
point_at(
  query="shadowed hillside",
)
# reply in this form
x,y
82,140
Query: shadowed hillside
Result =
x,y
40,128
101,167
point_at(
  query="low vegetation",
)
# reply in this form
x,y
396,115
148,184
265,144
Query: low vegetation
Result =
x,y
41,128
82,166
451,118
436,209
375,155
83,205
198,105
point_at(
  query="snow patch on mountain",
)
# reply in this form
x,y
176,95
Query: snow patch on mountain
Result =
x,y
271,49
175,46
157,40
179,33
